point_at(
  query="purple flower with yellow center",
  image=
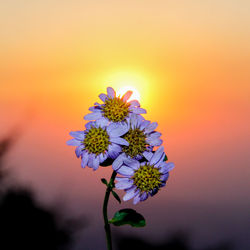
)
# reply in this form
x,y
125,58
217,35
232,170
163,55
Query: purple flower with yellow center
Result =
x,y
141,180
141,137
98,142
115,108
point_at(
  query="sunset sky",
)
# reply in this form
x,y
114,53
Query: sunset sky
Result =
x,y
188,63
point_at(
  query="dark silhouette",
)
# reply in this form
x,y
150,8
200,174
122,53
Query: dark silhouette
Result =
x,y
176,241
5,145
24,223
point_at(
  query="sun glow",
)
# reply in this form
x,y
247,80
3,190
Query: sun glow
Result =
x,y
124,80
124,89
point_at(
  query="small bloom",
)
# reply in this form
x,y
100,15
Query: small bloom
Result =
x,y
140,180
141,137
98,142
114,109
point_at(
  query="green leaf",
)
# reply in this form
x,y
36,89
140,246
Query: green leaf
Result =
x,y
107,162
104,181
165,158
128,217
116,196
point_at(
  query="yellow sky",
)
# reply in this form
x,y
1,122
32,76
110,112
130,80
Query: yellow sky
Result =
x,y
173,52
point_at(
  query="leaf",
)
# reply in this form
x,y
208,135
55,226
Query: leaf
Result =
x,y
104,181
107,162
165,158
116,196
128,217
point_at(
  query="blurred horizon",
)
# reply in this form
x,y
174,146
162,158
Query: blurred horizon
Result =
x,y
189,62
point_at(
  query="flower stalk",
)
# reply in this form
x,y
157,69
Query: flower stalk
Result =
x,y
117,135
109,189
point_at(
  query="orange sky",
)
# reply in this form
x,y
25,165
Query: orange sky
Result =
x,y
189,60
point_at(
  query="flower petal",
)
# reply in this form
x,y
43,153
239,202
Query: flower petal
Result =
x,y
78,134
103,157
103,97
111,92
85,158
161,160
166,167
138,110
95,109
136,199
154,135
138,157
96,163
119,178
154,191
164,177
93,116
157,155
78,150
90,161
124,184
114,150
132,163
102,122
119,129
126,171
147,155
134,103
73,142
143,196
119,140
151,127
163,184
144,124
89,124
140,120
127,95
131,193
135,120
155,142
118,161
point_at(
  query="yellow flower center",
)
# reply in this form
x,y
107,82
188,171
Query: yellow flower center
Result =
x,y
115,109
147,178
137,142
96,141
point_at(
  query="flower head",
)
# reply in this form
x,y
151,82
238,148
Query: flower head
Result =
x,y
140,180
141,137
98,142
114,109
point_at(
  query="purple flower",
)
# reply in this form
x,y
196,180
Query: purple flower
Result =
x,y
141,137
114,109
139,180
98,142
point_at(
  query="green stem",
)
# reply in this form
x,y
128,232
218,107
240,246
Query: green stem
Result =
x,y
105,210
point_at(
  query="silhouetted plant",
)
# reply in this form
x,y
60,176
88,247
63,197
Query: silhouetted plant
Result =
x,y
5,144
27,225
24,223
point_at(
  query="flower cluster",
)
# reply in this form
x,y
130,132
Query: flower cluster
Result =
x,y
116,130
